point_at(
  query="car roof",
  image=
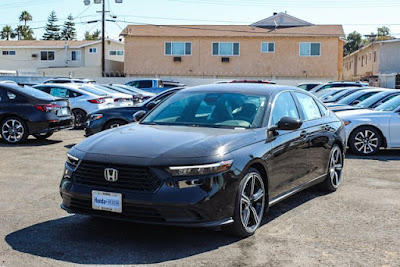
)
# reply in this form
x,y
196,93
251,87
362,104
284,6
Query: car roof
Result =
x,y
251,88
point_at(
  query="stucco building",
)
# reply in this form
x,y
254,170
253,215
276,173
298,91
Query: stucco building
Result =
x,y
278,46
376,60
60,58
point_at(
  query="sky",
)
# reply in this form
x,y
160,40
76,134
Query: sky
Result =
x,y
363,16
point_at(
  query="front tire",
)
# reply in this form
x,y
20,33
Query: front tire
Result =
x,y
79,118
365,141
14,130
335,166
114,124
250,205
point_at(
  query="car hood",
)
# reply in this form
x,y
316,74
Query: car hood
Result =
x,y
362,114
157,141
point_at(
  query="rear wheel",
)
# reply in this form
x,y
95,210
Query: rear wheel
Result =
x,y
14,130
114,124
365,141
42,136
79,118
250,205
332,180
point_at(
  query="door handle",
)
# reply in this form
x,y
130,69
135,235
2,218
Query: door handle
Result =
x,y
303,134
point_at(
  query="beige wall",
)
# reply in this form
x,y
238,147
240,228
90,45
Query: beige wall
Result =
x,y
145,56
362,63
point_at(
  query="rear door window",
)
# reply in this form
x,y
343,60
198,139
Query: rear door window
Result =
x,y
59,92
309,107
145,84
13,97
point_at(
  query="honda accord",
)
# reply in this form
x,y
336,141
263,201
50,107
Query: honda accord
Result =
x,y
212,155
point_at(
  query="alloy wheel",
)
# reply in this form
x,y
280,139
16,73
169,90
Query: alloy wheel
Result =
x,y
336,166
366,141
252,202
12,130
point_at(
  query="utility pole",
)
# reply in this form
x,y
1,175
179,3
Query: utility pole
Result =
x,y
103,31
103,44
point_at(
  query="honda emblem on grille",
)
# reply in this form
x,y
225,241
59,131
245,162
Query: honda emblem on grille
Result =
x,y
111,174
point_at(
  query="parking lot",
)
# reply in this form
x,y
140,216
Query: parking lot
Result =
x,y
356,226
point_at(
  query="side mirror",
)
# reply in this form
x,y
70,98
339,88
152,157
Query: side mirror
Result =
x,y
137,116
356,102
151,105
289,124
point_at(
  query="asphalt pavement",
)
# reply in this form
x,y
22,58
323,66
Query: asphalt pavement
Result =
x,y
356,226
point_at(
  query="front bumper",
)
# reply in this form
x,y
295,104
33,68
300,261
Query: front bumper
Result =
x,y
170,204
50,125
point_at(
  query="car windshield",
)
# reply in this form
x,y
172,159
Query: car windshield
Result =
x,y
205,109
367,103
343,94
390,105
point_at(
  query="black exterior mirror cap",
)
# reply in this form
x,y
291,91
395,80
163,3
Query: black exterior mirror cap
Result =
x,y
151,105
137,116
289,124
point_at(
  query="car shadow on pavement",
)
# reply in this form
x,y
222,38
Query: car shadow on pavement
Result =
x,y
30,143
91,241
381,155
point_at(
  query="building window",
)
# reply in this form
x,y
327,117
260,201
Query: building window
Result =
x,y
93,50
310,49
267,47
178,49
225,49
76,55
362,61
116,53
47,55
374,56
350,65
9,53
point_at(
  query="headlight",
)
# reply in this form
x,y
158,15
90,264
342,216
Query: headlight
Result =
x,y
72,161
94,117
347,122
200,169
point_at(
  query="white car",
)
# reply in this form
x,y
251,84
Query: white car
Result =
x,y
81,101
120,99
369,130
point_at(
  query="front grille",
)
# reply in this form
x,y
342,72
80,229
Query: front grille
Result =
x,y
83,204
129,177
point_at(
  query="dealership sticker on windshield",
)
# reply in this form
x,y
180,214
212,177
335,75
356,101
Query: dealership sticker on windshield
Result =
x,y
107,201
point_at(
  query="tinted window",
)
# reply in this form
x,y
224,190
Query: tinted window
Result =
x,y
363,97
284,106
309,107
13,97
145,84
59,92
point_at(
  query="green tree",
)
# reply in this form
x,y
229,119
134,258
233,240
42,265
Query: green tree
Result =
x,y
25,16
354,40
383,33
69,31
7,33
93,36
23,33
52,29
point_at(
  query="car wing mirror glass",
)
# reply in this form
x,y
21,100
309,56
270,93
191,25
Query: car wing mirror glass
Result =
x,y
137,116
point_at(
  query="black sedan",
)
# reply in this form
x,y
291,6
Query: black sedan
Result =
x,y
213,155
25,111
104,119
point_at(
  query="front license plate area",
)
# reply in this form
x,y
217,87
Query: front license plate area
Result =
x,y
107,201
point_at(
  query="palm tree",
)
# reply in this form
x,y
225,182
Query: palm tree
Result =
x,y
7,33
25,16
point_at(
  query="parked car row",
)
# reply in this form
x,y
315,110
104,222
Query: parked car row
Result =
x,y
371,116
